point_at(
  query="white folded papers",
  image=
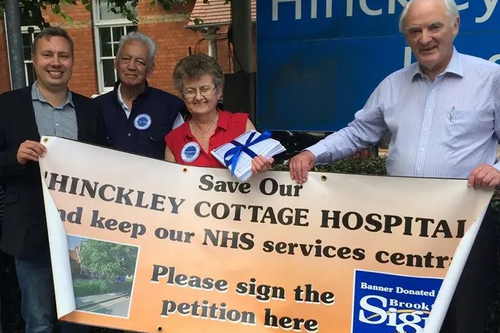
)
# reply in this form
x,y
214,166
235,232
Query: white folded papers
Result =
x,y
243,148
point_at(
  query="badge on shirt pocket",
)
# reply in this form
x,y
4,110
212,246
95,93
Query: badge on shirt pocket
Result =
x,y
190,152
142,121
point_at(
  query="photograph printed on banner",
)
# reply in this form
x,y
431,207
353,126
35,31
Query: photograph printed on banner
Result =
x,y
103,275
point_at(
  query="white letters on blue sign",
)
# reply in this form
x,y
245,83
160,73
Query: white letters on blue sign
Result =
x,y
463,6
298,8
490,7
362,3
368,9
314,8
407,61
391,9
392,5
375,312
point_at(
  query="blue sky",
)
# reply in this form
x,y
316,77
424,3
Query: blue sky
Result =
x,y
73,241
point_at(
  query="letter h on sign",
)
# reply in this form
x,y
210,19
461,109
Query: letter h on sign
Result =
x,y
298,8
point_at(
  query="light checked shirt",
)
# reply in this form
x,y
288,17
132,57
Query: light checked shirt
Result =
x,y
57,121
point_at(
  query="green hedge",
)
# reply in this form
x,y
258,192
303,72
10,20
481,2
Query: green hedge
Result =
x,y
372,166
97,287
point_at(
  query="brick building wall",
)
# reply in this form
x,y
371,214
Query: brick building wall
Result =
x,y
84,79
4,64
172,39
167,28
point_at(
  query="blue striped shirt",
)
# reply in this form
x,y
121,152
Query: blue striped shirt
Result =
x,y
438,129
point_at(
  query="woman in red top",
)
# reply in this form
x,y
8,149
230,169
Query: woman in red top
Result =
x,y
200,79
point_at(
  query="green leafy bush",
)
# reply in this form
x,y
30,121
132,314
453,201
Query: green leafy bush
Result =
x,y
92,287
97,287
373,166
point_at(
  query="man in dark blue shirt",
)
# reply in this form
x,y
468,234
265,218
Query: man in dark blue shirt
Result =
x,y
137,116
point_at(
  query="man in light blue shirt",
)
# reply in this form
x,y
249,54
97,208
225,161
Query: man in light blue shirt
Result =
x,y
443,113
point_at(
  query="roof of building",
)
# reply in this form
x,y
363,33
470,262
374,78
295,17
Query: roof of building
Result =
x,y
73,255
214,13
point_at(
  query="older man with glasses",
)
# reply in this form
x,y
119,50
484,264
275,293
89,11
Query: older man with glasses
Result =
x,y
444,116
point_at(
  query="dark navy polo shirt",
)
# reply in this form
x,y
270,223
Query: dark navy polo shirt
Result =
x,y
151,118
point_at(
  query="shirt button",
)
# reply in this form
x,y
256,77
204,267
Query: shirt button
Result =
x,y
429,110
421,149
128,134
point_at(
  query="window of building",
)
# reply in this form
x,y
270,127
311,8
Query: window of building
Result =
x,y
108,29
29,33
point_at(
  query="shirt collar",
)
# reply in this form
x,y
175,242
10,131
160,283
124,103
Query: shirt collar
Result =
x,y
36,95
224,120
118,83
120,99
454,66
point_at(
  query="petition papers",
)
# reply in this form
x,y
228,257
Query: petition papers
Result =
x,y
237,155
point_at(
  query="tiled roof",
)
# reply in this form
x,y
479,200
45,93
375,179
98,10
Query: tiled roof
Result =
x,y
215,12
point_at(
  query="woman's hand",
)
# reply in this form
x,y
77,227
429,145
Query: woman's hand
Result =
x,y
261,164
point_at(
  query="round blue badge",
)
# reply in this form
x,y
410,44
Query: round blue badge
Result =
x,y
190,152
142,121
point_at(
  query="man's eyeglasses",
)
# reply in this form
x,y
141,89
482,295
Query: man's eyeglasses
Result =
x,y
205,91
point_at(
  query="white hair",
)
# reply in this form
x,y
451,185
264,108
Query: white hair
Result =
x,y
451,9
144,39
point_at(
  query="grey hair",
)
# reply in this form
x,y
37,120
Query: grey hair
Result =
x,y
195,66
451,9
144,39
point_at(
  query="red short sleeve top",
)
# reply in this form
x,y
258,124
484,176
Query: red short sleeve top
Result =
x,y
229,126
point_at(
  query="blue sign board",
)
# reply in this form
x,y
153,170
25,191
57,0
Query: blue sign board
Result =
x,y
318,61
389,303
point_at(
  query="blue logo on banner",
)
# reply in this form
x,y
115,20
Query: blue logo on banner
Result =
x,y
387,303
